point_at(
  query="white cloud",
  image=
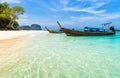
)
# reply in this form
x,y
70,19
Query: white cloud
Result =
x,y
23,16
12,1
64,2
88,10
111,16
24,20
91,9
97,1
27,20
97,5
100,17
88,6
53,9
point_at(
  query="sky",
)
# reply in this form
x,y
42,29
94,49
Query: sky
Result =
x,y
75,13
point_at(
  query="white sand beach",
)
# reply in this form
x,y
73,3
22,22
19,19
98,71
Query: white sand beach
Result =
x,y
10,51
14,34
10,38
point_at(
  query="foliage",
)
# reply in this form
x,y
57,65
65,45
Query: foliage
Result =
x,y
9,15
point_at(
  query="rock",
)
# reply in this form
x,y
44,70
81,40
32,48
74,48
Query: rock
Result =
x,y
35,27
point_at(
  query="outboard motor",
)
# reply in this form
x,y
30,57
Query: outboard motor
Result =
x,y
112,28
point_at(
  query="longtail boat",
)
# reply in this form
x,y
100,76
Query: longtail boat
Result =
x,y
88,31
53,31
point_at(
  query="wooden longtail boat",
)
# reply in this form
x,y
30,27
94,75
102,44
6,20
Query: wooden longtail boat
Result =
x,y
89,32
53,31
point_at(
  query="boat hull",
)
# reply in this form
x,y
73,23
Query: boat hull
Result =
x,y
70,32
53,31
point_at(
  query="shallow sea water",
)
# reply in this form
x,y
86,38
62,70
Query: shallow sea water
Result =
x,y
60,56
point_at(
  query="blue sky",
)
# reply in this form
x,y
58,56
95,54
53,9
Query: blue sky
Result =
x,y
78,13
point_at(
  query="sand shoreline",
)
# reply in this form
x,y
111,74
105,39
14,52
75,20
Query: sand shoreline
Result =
x,y
14,34
11,48
10,38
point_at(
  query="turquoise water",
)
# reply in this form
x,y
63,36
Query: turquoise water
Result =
x,y
60,56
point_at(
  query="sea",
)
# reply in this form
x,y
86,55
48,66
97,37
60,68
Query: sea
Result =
x,y
59,56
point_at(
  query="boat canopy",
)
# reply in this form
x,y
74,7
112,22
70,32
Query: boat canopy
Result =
x,y
90,29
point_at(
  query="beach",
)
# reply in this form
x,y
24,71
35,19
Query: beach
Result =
x,y
13,34
39,54
10,38
10,51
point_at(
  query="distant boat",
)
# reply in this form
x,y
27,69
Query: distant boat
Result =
x,y
88,31
53,31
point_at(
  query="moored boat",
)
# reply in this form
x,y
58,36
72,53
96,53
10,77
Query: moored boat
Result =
x,y
53,31
88,31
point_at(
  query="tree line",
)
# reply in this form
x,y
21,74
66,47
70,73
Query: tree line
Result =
x,y
9,16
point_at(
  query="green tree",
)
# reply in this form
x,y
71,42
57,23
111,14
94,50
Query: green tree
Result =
x,y
11,14
14,13
4,15
3,6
